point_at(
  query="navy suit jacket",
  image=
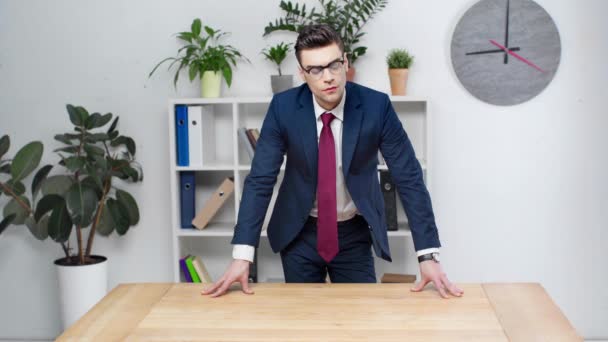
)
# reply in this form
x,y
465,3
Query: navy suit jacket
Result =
x,y
370,123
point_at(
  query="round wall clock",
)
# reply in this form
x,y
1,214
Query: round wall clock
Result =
x,y
505,52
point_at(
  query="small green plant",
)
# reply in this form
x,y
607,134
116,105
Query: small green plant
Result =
x,y
277,54
399,59
203,53
84,195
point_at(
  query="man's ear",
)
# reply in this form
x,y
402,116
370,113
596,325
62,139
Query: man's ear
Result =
x,y
301,73
346,62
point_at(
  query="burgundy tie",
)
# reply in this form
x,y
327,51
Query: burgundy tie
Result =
x,y
327,222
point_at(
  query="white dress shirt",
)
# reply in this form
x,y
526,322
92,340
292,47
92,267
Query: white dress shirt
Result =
x,y
346,208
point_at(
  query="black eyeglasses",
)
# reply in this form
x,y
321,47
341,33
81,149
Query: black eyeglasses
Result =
x,y
317,71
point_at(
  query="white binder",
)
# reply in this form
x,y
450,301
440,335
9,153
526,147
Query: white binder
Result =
x,y
195,136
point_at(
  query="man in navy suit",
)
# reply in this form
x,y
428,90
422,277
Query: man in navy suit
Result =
x,y
329,211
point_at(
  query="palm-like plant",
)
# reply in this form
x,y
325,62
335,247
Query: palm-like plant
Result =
x,y
277,54
84,196
346,17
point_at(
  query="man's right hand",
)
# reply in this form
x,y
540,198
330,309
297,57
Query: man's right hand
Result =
x,y
237,271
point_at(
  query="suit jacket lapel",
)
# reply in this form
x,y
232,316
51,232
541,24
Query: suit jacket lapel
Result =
x,y
307,126
352,125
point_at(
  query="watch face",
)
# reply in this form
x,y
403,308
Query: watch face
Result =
x,y
505,52
436,256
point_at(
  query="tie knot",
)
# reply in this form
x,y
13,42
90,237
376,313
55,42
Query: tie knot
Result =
x,y
326,118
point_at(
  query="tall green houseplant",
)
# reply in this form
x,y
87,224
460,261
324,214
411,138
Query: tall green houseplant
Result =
x,y
83,195
346,17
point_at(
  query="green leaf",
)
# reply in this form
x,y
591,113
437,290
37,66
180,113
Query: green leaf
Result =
x,y
84,115
13,207
40,229
26,160
75,163
97,120
94,150
60,225
68,149
209,31
101,162
93,184
75,117
5,143
63,138
97,137
129,203
46,204
6,222
105,226
120,216
193,71
58,184
131,173
196,27
113,125
81,202
39,178
16,187
6,168
128,142
227,75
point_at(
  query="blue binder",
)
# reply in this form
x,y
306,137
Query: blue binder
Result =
x,y
187,189
181,135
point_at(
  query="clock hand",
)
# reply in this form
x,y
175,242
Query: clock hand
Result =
x,y
516,56
507,34
490,51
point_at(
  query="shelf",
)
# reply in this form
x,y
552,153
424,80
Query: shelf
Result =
x,y
228,156
219,167
226,229
212,229
267,99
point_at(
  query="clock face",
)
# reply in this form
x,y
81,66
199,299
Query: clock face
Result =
x,y
505,52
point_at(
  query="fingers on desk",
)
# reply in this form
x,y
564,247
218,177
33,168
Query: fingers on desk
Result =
x,y
451,287
420,285
213,287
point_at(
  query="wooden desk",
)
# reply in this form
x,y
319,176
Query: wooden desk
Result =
x,y
324,312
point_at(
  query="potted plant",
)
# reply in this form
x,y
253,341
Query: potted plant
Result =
x,y
346,17
83,197
204,56
277,54
399,61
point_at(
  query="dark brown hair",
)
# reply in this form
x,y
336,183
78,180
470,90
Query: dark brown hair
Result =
x,y
316,36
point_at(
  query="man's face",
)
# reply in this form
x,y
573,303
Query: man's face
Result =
x,y
328,84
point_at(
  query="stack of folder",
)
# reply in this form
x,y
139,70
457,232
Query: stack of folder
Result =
x,y
194,270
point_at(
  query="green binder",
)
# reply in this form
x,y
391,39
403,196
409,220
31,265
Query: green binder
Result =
x,y
193,274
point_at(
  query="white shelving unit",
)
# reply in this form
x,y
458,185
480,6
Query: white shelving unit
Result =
x,y
230,159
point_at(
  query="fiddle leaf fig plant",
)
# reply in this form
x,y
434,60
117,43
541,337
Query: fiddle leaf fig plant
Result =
x,y
83,194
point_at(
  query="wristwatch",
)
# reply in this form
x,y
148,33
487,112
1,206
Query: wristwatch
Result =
x,y
431,256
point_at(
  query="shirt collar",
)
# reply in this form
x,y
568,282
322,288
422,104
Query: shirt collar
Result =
x,y
338,112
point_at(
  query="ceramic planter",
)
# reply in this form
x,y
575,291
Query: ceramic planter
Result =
x,y
398,78
80,287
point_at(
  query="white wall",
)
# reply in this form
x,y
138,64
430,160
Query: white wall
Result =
x,y
520,192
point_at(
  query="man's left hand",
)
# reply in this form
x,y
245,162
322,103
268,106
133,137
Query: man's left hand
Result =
x,y
431,271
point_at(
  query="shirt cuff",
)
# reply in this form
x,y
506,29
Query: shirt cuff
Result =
x,y
243,252
427,251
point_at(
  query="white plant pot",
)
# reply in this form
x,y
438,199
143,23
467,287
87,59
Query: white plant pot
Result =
x,y
80,288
